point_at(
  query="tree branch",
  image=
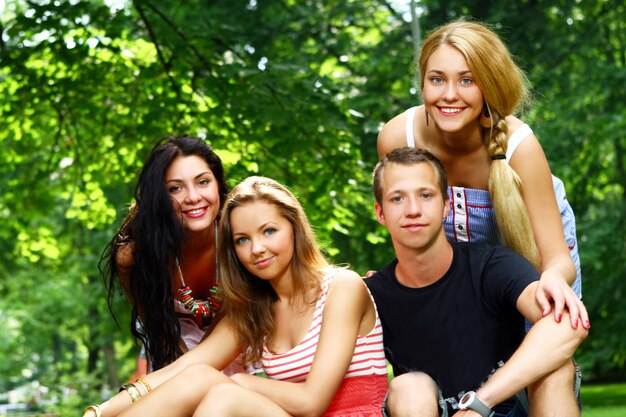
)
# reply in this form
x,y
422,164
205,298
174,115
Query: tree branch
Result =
x,y
153,38
205,62
2,44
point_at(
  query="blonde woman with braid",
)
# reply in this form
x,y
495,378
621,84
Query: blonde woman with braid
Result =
x,y
500,184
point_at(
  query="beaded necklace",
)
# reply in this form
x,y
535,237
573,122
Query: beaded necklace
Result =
x,y
200,308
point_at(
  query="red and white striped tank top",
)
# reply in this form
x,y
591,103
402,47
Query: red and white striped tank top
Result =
x,y
295,365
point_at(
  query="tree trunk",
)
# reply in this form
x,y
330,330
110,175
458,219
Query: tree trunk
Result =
x,y
110,362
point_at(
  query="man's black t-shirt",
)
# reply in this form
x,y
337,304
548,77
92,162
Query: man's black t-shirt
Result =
x,y
461,328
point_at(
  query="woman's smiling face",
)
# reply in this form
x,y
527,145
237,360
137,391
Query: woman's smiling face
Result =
x,y
194,192
451,95
263,239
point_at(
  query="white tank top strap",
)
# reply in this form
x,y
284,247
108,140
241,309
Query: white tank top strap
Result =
x,y
410,115
516,138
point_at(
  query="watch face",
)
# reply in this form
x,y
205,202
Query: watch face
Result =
x,y
466,400
471,401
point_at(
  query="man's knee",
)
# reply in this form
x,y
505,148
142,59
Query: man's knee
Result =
x,y
412,382
413,392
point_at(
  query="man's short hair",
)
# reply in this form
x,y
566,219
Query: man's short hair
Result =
x,y
408,156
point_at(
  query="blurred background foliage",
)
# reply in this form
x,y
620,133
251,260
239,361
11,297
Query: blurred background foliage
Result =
x,y
292,89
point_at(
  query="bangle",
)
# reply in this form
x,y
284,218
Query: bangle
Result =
x,y
95,408
132,391
144,384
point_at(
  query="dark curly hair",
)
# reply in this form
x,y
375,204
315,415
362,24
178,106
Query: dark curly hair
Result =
x,y
157,239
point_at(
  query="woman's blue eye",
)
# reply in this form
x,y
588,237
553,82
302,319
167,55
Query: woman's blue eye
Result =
x,y
241,240
270,231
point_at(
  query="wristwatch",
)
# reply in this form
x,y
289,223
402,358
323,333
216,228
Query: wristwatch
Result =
x,y
470,401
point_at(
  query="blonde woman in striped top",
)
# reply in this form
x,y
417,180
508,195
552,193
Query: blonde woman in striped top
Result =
x,y
313,327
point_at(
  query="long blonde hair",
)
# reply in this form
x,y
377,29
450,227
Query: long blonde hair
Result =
x,y
248,300
505,89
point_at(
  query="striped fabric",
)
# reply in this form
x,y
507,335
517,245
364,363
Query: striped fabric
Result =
x,y
471,218
295,365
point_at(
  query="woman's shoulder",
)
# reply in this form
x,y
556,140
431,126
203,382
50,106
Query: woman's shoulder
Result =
x,y
521,140
392,135
514,124
124,255
346,281
124,261
344,274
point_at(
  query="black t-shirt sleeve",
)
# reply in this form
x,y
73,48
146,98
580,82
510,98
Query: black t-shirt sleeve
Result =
x,y
505,277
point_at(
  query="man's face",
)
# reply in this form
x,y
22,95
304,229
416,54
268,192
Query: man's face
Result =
x,y
412,205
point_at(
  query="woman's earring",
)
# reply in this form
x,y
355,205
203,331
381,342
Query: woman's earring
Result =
x,y
486,120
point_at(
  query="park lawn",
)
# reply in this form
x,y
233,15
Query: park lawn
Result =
x,y
604,412
606,400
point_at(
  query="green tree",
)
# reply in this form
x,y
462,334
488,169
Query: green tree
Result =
x,y
279,88
294,90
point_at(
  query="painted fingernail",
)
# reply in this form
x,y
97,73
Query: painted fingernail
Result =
x,y
558,318
575,323
587,324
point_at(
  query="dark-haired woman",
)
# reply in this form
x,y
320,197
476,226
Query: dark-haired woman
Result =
x,y
165,252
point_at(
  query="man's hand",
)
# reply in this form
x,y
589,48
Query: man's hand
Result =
x,y
369,274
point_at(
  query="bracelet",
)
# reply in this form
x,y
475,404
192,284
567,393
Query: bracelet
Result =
x,y
132,391
95,408
144,384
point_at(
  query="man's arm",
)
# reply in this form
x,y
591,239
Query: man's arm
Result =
x,y
547,346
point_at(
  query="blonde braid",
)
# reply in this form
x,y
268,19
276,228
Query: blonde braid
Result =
x,y
507,195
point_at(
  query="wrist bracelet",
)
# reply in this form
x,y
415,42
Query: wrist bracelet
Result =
x,y
95,408
132,391
144,384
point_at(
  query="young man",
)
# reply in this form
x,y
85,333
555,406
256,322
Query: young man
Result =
x,y
453,314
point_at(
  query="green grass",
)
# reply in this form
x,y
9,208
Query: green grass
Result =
x,y
606,400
